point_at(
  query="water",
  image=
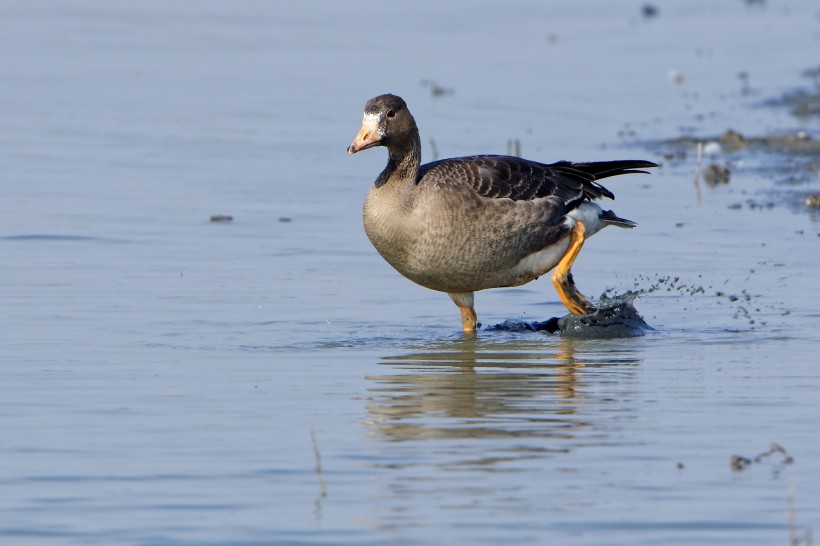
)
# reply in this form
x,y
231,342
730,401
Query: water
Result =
x,y
170,380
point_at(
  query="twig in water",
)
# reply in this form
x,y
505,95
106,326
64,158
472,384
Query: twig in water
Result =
x,y
775,448
319,474
795,539
514,147
697,171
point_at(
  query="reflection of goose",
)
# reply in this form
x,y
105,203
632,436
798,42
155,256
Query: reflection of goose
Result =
x,y
472,223
469,389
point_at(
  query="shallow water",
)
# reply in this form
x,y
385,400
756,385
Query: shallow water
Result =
x,y
169,380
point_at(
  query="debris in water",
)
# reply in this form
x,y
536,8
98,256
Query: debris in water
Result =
x,y
795,144
743,76
804,103
739,462
437,90
649,11
712,148
715,174
675,76
732,141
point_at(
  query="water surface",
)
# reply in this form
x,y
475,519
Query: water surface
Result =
x,y
170,380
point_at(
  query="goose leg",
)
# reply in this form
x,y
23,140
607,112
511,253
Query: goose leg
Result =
x,y
562,278
465,302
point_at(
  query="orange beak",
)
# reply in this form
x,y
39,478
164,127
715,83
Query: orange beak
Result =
x,y
368,137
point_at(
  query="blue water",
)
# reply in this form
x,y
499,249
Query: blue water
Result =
x,y
166,379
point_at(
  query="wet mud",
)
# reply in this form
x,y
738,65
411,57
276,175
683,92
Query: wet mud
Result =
x,y
788,158
730,142
804,102
789,163
615,317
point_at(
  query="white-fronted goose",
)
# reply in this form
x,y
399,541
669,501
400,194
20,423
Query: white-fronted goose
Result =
x,y
486,221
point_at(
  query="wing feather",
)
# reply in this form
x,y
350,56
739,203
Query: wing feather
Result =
x,y
494,176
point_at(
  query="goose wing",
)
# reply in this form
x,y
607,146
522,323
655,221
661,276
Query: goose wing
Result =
x,y
495,176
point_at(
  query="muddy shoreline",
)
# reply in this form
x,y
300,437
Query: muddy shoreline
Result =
x,y
788,159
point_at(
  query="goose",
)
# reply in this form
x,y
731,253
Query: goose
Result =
x,y
471,223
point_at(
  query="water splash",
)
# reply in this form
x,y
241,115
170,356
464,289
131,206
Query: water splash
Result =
x,y
615,316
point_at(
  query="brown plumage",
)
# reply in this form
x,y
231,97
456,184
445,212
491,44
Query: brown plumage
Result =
x,y
486,221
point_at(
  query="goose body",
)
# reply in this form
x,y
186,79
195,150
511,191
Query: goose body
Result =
x,y
471,223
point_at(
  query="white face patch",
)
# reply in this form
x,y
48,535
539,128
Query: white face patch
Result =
x,y
373,120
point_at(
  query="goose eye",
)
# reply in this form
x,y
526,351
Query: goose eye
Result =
x,y
391,113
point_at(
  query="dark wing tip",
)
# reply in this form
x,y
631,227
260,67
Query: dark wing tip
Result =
x,y
610,217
